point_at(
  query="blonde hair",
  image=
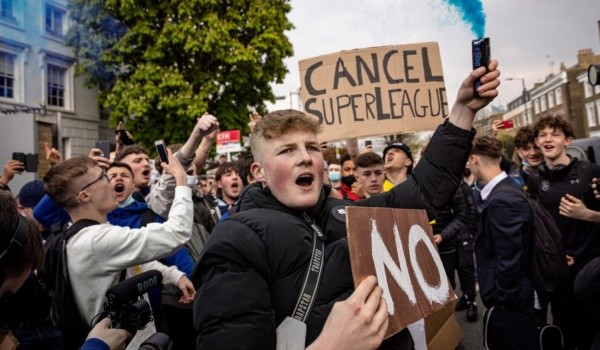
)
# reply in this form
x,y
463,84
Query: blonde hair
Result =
x,y
277,124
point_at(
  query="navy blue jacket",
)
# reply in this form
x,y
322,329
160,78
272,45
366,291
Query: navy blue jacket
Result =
x,y
501,243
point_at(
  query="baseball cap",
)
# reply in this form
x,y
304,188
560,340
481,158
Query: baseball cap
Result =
x,y
31,193
404,148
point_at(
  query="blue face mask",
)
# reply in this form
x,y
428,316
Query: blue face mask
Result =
x,y
335,176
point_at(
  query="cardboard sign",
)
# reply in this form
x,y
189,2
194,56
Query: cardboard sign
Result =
x,y
396,245
228,141
375,91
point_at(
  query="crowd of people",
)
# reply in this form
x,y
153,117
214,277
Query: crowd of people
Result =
x,y
233,250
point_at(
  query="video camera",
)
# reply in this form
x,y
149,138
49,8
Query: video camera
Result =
x,y
124,305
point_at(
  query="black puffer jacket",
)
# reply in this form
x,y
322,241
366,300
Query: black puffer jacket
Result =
x,y
251,270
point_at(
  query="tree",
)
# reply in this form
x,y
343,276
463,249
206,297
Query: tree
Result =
x,y
161,64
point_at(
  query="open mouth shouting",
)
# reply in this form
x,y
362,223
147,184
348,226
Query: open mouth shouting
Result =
x,y
119,189
305,180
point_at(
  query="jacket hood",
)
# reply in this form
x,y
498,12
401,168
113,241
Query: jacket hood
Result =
x,y
129,216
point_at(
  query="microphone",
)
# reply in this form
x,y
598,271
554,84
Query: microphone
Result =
x,y
132,288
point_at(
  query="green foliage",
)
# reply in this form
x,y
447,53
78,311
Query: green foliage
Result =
x,y
161,64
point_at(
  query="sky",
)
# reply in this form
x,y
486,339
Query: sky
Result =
x,y
530,38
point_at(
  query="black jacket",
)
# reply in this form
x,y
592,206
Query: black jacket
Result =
x,y
453,219
251,270
581,238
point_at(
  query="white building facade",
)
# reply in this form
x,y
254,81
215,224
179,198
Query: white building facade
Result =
x,y
41,99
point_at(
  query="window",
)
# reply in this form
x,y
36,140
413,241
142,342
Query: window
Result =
x,y
6,10
543,103
55,85
591,114
558,93
7,75
551,103
536,105
54,20
597,89
587,89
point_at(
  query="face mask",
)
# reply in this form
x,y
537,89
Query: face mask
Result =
x,y
192,181
348,180
335,176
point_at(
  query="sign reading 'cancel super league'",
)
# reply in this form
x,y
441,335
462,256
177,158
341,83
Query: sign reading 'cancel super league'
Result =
x,y
375,91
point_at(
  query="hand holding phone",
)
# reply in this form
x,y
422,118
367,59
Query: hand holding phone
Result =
x,y
124,137
161,148
104,146
506,124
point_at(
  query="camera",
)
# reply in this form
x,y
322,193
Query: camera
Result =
x,y
157,341
30,161
124,305
131,317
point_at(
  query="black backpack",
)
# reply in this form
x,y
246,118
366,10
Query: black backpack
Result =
x,y
64,312
547,269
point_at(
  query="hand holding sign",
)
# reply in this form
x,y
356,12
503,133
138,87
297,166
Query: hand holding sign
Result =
x,y
396,246
359,322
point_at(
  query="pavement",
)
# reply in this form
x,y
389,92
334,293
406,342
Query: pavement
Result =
x,y
472,331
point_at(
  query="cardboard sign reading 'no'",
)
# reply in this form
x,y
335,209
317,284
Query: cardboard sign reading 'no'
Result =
x,y
396,246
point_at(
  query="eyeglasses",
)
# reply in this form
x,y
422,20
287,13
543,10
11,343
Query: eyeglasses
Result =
x,y
102,175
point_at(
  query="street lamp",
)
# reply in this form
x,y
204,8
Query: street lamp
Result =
x,y
524,97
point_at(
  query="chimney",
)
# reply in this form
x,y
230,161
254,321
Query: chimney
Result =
x,y
585,58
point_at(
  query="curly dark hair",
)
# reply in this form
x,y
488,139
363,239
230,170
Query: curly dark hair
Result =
x,y
525,135
555,123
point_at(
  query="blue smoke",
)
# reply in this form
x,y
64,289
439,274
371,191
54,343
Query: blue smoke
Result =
x,y
472,13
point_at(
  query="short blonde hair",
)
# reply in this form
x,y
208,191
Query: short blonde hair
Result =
x,y
279,123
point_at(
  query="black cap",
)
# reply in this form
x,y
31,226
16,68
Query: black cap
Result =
x,y
403,148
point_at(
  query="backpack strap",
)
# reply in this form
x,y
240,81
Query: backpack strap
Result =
x,y
584,172
78,226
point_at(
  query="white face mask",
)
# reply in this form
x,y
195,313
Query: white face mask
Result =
x,y
192,181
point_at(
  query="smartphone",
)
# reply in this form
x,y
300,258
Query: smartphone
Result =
x,y
104,146
21,157
506,124
480,51
31,162
161,148
124,137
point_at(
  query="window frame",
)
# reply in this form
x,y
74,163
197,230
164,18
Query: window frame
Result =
x,y
20,53
50,32
67,64
13,71
591,115
558,95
